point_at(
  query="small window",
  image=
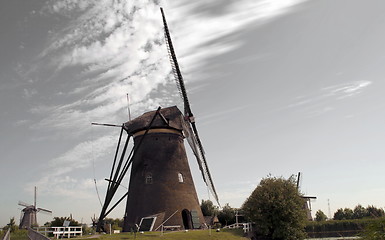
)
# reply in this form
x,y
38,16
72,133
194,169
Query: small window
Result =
x,y
148,178
180,177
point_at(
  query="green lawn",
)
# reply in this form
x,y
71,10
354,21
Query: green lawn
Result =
x,y
20,235
190,235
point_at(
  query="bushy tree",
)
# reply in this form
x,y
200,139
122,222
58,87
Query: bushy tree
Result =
x,y
208,208
59,221
359,212
226,216
116,224
343,214
277,209
320,216
375,212
11,225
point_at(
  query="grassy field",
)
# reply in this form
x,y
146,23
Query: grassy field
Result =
x,y
20,235
190,235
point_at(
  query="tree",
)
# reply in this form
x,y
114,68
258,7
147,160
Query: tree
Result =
x,y
343,214
320,216
11,225
277,209
116,224
226,216
359,212
208,208
375,212
59,221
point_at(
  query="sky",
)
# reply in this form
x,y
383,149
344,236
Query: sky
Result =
x,y
277,87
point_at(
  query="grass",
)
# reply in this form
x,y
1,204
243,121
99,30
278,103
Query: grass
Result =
x,y
20,235
181,235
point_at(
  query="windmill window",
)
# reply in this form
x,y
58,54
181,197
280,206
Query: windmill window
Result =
x,y
180,178
149,178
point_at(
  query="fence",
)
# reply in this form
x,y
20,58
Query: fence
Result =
x,y
60,232
34,235
247,227
67,231
7,236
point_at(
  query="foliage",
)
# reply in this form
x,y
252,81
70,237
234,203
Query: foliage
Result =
x,y
320,216
375,230
335,228
59,221
116,224
276,207
343,214
359,212
11,225
233,234
20,234
226,216
208,208
375,212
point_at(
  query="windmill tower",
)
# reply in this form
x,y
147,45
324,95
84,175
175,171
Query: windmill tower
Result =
x,y
28,213
161,188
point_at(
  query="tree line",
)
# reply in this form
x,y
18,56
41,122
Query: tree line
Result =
x,y
359,212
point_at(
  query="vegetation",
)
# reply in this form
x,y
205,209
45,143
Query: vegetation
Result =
x,y
374,230
116,224
320,216
208,208
334,228
182,235
276,207
359,212
226,216
59,221
12,225
20,234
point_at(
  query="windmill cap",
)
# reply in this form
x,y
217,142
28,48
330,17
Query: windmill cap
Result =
x,y
169,118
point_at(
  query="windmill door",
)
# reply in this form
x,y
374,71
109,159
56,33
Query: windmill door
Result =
x,y
186,216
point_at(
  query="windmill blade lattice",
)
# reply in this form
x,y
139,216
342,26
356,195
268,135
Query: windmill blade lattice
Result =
x,y
21,203
194,140
44,210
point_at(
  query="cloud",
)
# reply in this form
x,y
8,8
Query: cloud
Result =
x,y
59,178
110,48
318,103
347,89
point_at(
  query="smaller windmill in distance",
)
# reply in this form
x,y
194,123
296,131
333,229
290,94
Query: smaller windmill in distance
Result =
x,y
28,213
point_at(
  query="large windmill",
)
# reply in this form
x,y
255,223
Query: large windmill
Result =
x,y
28,213
161,189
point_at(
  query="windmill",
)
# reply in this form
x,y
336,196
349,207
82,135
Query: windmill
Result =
x,y
28,213
161,189
307,199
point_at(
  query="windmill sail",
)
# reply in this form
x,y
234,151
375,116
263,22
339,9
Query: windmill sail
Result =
x,y
194,140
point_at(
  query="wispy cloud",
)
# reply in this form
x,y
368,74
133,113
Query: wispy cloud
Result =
x,y
111,48
322,101
58,176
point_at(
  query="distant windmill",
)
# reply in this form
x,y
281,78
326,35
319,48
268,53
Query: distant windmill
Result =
x,y
307,202
28,214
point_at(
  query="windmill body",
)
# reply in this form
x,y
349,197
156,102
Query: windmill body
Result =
x,y
161,185
28,218
161,189
28,214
